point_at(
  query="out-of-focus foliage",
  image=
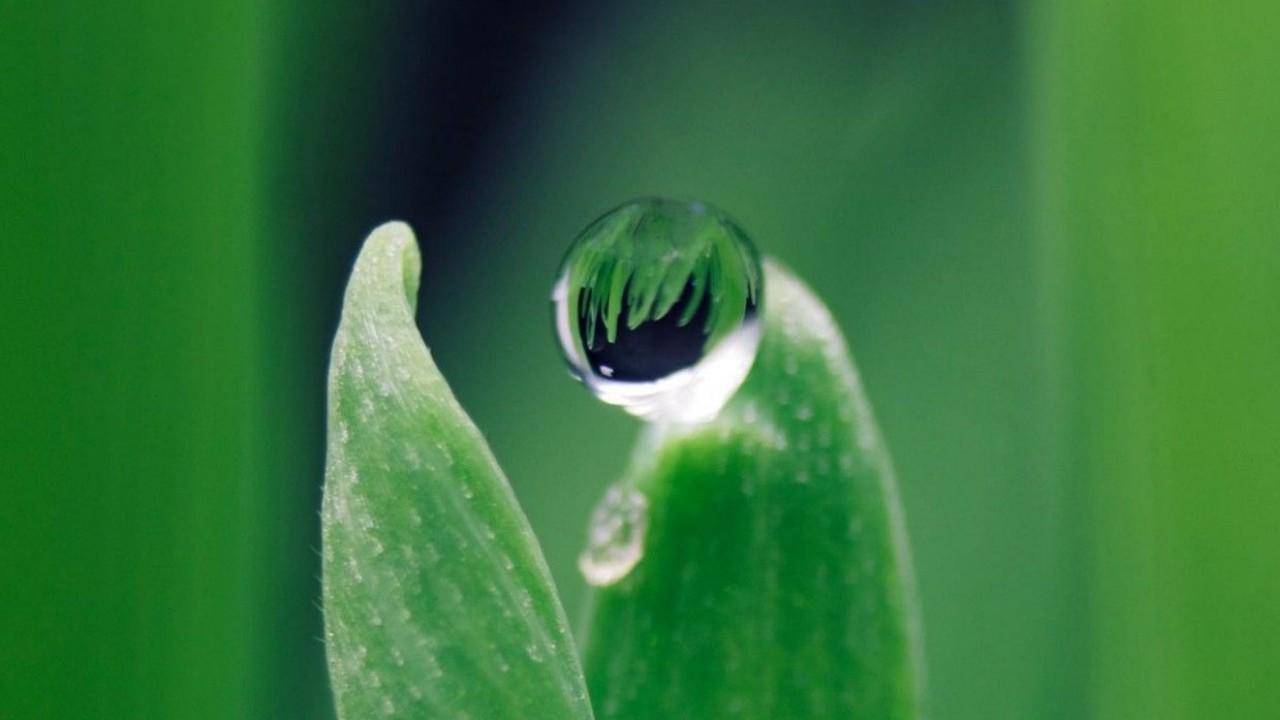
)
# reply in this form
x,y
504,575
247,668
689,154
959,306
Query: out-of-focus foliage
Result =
x,y
1159,160
135,518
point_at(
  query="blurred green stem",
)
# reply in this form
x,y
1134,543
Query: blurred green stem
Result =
x,y
1157,134
132,523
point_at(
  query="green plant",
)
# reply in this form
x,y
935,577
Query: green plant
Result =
x,y
759,562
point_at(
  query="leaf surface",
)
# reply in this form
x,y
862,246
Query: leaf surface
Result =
x,y
773,579
437,600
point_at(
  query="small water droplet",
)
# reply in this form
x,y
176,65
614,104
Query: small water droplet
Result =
x,y
533,652
615,542
656,308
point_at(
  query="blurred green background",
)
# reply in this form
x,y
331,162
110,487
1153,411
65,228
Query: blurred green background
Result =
x,y
1051,231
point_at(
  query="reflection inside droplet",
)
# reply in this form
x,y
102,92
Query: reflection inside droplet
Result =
x,y
656,308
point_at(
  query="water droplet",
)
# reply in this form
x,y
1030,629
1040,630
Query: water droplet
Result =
x,y
615,542
656,308
533,652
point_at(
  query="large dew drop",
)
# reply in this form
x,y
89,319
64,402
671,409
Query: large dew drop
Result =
x,y
615,542
656,308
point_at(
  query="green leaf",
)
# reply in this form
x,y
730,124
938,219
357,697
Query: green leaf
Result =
x,y
1160,238
773,578
437,600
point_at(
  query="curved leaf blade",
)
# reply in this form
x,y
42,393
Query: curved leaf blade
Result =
x,y
437,600
775,578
